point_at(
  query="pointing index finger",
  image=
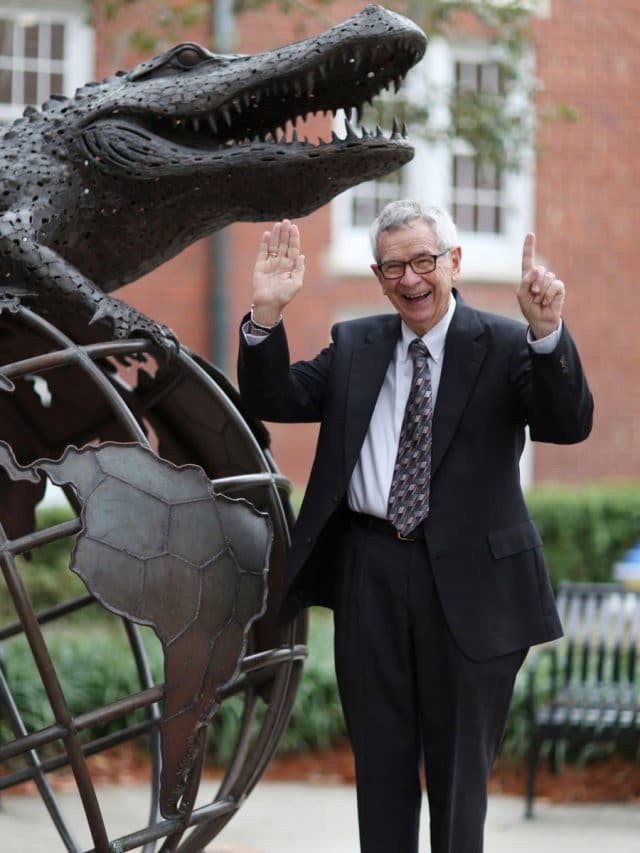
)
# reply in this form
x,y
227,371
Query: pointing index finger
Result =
x,y
527,253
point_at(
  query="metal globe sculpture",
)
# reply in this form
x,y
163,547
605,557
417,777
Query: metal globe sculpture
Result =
x,y
227,512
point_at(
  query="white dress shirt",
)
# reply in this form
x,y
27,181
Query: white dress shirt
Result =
x,y
371,479
370,482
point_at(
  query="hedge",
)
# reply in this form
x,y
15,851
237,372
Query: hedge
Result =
x,y
585,531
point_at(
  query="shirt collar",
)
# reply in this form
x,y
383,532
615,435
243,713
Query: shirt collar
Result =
x,y
434,338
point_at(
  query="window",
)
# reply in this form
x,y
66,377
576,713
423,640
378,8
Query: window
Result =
x,y
42,52
476,186
493,209
368,199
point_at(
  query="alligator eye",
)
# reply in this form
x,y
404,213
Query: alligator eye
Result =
x,y
189,56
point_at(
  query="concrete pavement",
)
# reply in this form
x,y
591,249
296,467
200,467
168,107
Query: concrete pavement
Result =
x,y
293,817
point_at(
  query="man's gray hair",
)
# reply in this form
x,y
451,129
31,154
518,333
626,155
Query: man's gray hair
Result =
x,y
399,214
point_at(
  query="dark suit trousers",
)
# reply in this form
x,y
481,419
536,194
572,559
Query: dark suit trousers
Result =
x,y
410,697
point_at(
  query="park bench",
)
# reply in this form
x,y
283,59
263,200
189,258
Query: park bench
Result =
x,y
582,689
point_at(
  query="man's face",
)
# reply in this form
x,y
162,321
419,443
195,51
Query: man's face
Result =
x,y
420,299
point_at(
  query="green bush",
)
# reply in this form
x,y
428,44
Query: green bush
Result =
x,y
45,571
316,720
586,529
94,668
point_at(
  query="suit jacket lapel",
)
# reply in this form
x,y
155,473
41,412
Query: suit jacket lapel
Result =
x,y
463,356
369,362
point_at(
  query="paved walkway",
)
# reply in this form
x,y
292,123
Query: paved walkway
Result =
x,y
289,817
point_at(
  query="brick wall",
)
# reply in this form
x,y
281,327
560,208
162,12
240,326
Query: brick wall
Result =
x,y
587,217
588,56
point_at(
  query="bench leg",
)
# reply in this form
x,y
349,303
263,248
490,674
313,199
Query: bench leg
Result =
x,y
532,766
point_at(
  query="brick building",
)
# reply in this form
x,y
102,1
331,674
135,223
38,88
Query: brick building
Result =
x,y
580,197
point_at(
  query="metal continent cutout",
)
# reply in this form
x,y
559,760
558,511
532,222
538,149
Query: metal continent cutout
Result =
x,y
189,563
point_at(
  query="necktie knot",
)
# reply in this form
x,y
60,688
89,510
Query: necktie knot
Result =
x,y
418,350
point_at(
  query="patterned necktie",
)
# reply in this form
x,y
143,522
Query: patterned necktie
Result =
x,y
409,492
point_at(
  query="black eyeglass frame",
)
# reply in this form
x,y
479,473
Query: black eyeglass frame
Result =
x,y
410,263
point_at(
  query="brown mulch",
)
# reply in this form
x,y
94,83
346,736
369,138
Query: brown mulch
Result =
x,y
610,779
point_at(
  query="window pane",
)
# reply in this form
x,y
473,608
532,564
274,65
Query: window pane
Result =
x,y
31,41
57,41
490,77
488,177
487,219
30,87
363,211
466,76
464,172
464,218
6,38
56,84
5,86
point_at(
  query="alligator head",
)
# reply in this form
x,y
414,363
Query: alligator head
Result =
x,y
221,126
185,143
191,112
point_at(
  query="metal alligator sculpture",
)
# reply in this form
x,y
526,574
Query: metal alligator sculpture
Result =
x,y
100,188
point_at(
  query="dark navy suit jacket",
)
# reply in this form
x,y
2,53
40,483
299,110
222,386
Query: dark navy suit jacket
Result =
x,y
485,551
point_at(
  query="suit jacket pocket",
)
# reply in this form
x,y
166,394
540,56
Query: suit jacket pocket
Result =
x,y
513,540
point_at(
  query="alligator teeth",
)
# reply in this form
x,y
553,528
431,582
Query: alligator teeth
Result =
x,y
237,105
311,82
351,134
379,131
196,123
395,132
213,124
297,88
226,114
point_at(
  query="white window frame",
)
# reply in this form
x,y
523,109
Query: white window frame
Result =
x,y
486,256
77,66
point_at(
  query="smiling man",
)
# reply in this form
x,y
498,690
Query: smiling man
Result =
x,y
414,528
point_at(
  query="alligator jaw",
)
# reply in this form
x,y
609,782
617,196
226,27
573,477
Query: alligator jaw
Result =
x,y
244,103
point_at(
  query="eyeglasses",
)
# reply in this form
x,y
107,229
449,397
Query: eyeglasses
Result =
x,y
421,265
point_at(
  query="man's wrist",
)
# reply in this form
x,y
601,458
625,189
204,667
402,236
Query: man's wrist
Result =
x,y
545,344
538,333
264,318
